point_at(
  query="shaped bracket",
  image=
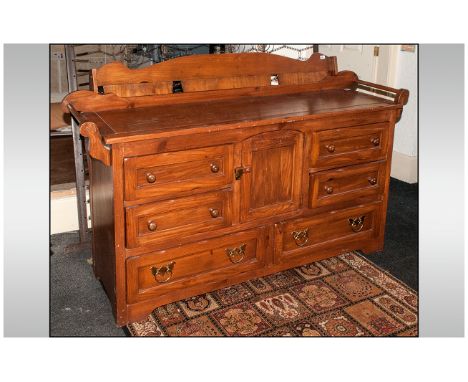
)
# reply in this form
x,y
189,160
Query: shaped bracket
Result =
x,y
97,149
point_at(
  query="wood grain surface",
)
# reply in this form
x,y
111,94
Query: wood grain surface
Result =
x,y
234,177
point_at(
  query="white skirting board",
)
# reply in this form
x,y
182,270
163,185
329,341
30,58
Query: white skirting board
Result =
x,y
404,167
64,212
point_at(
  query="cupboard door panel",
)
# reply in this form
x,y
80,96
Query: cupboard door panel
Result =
x,y
271,180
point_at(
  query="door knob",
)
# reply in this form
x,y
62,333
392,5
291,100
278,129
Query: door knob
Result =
x,y
239,171
150,178
375,141
214,167
330,148
152,225
214,212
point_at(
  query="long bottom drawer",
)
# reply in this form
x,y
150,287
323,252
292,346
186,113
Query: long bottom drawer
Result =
x,y
340,230
162,272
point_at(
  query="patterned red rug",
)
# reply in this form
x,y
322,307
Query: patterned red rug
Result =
x,y
342,296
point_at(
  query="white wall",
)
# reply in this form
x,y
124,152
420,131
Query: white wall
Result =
x,y
405,145
398,69
406,134
63,211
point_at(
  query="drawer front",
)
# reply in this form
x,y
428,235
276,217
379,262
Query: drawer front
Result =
x,y
349,145
178,173
348,183
300,236
165,271
171,220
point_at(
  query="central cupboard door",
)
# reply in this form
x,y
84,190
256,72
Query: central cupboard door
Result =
x,y
271,174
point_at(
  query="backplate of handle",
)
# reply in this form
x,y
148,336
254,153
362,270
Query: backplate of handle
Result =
x,y
356,223
301,237
163,273
236,255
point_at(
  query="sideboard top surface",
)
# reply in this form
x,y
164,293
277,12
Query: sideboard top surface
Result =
x,y
121,125
206,93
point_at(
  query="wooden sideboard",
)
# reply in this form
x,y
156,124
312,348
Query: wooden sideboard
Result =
x,y
210,170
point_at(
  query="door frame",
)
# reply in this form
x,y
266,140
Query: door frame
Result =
x,y
384,67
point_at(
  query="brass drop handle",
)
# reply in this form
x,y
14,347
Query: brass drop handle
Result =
x,y
214,212
329,189
375,141
214,167
330,148
152,225
150,178
301,237
372,180
164,273
236,255
356,223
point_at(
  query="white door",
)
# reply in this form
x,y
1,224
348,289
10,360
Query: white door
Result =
x,y
369,62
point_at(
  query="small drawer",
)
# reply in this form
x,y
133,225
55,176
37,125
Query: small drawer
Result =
x,y
178,218
178,173
348,183
349,145
207,261
336,229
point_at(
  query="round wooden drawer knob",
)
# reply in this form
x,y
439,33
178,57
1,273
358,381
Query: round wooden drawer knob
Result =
x,y
375,141
214,167
372,181
152,226
150,178
330,148
214,212
329,189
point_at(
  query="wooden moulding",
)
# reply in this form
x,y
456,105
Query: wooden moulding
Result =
x,y
97,149
205,78
208,66
88,101
400,96
202,73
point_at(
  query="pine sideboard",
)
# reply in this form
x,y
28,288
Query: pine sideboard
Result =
x,y
210,170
